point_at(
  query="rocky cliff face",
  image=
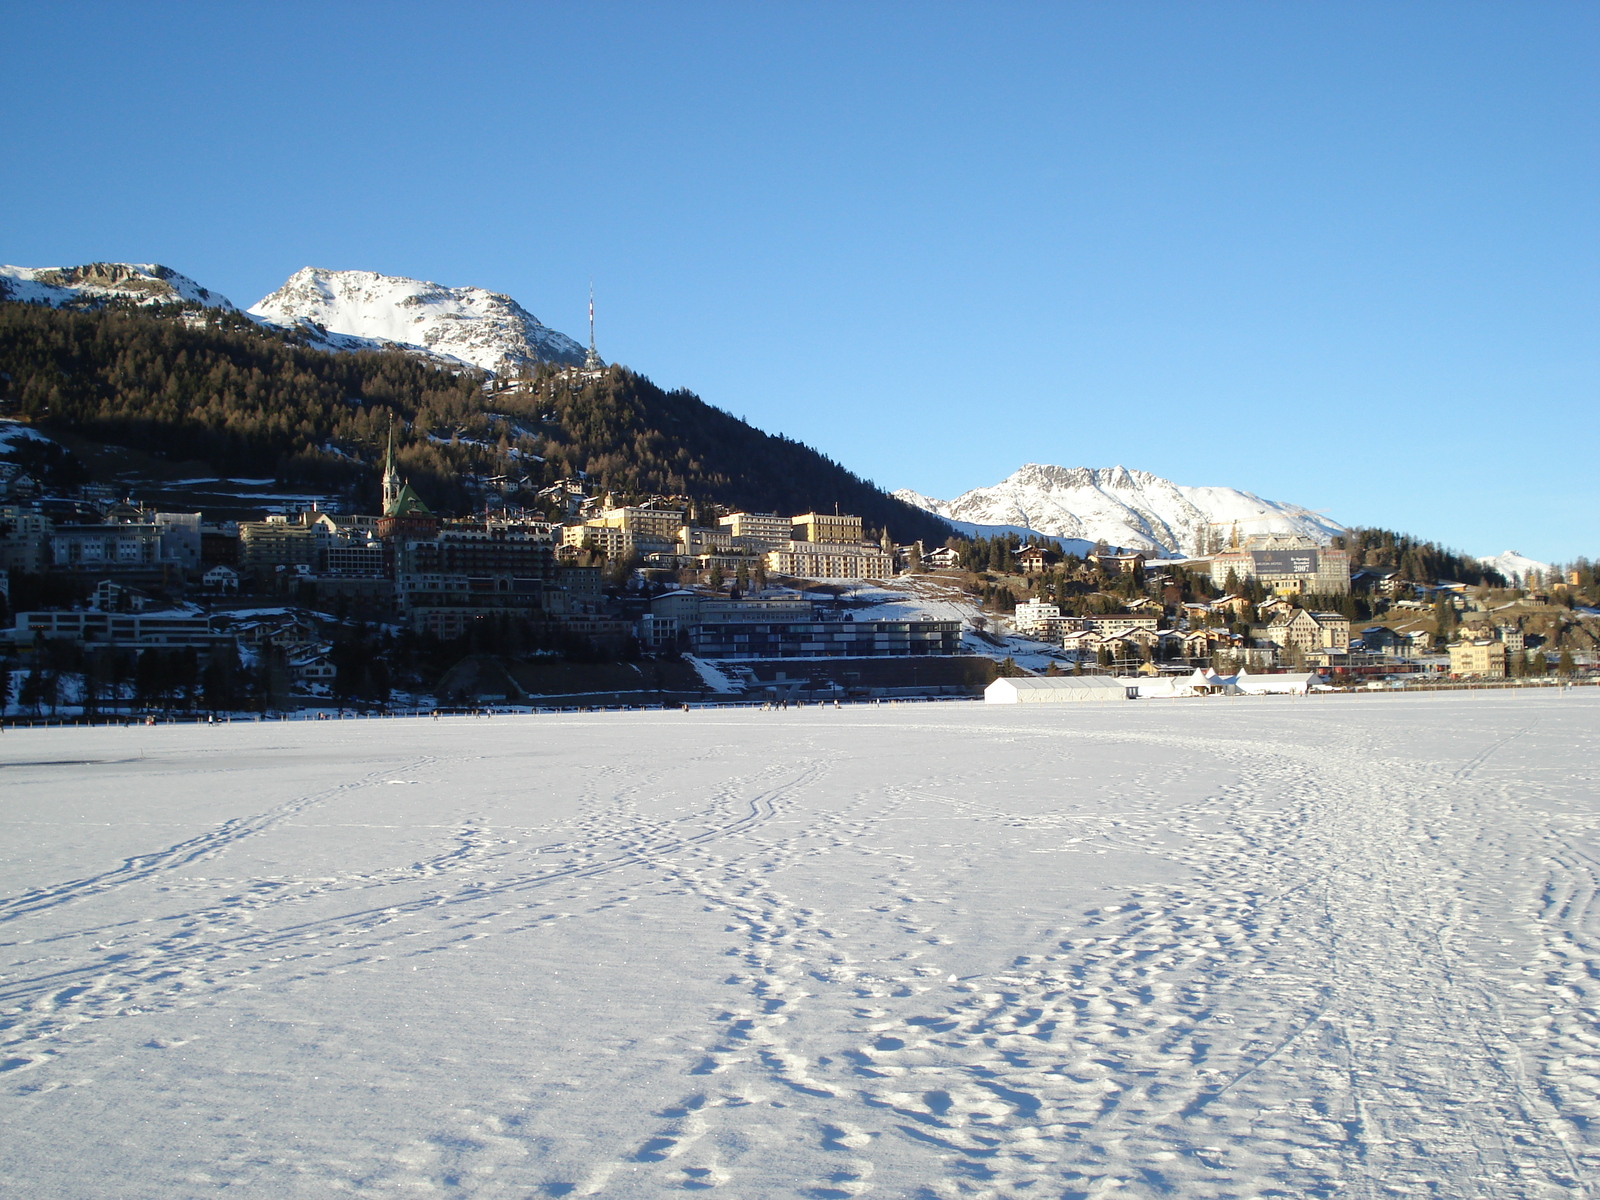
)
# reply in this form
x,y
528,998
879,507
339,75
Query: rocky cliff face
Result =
x,y
1123,508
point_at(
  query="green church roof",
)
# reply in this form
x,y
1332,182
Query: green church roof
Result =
x,y
408,504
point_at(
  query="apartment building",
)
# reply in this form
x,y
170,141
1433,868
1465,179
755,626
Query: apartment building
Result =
x,y
1485,658
1033,616
695,540
822,560
480,548
1306,631
279,541
823,639
24,540
166,628
604,539
826,527
1113,624
163,543
757,531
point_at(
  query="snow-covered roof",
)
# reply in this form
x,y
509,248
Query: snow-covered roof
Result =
x,y
1062,683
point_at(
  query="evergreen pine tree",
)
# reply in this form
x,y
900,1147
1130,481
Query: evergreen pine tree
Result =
x,y
33,692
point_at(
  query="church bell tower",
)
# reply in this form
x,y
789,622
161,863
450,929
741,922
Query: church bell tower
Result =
x,y
391,478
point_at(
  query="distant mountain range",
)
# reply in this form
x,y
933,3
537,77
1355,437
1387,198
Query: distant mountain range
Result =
x,y
468,326
333,310
1134,509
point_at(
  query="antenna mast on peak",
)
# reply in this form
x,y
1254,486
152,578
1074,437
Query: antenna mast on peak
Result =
x,y
593,362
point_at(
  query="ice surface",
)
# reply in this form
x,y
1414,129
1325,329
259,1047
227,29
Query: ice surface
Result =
x,y
1210,948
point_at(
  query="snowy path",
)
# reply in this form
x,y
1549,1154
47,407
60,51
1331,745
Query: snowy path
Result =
x,y
1344,946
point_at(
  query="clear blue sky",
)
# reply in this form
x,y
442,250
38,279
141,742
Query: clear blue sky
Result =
x,y
1337,254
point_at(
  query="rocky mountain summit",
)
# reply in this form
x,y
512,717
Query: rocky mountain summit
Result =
x,y
1134,509
93,284
1516,568
332,310
347,310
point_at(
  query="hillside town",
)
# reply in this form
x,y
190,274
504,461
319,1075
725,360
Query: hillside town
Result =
x,y
111,605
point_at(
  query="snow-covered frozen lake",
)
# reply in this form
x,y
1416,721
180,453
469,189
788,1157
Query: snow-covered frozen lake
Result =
x,y
1337,946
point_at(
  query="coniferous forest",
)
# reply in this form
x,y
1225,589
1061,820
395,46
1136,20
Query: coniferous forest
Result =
x,y
1416,560
203,385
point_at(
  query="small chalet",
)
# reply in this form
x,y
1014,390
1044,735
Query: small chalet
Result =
x,y
1119,562
1034,559
1379,639
221,579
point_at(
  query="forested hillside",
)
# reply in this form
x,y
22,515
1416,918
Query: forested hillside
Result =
x,y
1416,560
211,386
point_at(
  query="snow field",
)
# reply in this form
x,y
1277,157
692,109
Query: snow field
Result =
x,y
1334,946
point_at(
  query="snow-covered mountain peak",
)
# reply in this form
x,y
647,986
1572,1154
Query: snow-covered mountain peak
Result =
x,y
1515,568
1043,475
94,283
352,309
1122,508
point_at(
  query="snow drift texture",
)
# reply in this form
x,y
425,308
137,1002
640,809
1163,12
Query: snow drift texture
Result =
x,y
358,309
1121,507
1338,947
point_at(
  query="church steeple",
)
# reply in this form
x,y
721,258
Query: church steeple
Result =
x,y
593,361
391,477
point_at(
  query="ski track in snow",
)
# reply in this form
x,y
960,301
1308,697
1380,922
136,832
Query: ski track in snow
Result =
x,y
1343,947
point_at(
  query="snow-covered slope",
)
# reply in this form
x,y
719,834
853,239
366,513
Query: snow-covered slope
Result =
x,y
143,283
1122,508
346,310
14,435
1514,567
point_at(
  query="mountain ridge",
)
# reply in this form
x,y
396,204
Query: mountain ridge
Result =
x,y
335,310
1122,507
1514,566
342,310
255,400
95,283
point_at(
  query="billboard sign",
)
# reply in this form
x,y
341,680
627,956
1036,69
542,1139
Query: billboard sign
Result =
x,y
1284,562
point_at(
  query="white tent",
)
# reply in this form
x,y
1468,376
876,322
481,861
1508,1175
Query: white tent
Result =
x,y
1289,685
1056,689
1160,687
